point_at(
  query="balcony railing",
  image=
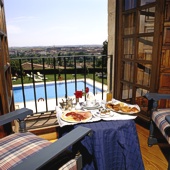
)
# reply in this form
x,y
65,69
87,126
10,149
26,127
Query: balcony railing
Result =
x,y
61,69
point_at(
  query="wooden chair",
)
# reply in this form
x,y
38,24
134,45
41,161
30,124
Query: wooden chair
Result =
x,y
159,118
25,150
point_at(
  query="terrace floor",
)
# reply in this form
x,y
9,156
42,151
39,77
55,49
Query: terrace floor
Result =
x,y
155,157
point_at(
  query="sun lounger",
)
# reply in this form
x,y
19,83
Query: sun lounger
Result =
x,y
39,74
42,78
37,79
29,76
14,78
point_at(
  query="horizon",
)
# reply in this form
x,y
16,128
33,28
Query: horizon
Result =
x,y
58,46
56,23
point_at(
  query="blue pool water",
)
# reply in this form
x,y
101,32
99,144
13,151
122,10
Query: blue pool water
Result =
x,y
40,90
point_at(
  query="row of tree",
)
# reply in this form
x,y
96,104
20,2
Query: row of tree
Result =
x,y
68,61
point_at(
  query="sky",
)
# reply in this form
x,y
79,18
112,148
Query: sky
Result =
x,y
56,22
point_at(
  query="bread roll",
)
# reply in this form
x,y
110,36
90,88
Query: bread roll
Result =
x,y
126,109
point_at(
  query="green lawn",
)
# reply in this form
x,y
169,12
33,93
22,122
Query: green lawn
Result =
x,y
51,78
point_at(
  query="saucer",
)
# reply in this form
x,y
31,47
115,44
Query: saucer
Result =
x,y
96,106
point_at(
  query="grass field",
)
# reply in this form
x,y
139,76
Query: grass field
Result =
x,y
51,78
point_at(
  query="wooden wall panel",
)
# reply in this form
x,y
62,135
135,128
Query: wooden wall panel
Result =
x,y
164,83
164,86
166,40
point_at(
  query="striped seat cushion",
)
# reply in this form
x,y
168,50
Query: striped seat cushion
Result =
x,y
70,165
159,118
16,147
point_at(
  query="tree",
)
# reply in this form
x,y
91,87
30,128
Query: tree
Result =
x,y
105,44
15,66
105,53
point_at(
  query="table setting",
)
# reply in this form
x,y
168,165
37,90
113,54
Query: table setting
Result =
x,y
93,110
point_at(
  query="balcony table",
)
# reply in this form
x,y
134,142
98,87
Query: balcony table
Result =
x,y
113,145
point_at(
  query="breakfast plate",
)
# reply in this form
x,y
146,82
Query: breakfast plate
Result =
x,y
122,107
76,116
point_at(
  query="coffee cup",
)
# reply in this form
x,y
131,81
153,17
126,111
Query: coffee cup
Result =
x,y
90,103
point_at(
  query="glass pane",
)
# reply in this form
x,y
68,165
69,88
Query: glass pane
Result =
x,y
145,48
129,21
126,92
147,18
129,48
128,71
144,2
130,4
143,74
141,92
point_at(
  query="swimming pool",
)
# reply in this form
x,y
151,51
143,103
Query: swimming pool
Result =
x,y
40,90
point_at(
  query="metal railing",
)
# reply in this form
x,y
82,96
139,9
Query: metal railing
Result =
x,y
70,68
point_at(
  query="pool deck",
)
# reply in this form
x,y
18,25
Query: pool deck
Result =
x,y
51,103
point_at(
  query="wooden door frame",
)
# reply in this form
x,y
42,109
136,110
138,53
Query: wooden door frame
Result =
x,y
156,55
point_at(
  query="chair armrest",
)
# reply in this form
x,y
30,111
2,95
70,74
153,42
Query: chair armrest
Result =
x,y
44,156
20,114
157,96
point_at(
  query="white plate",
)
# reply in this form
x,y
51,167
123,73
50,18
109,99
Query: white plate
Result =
x,y
125,104
104,115
67,119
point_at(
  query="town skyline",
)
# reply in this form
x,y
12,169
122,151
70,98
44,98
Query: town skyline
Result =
x,y
56,50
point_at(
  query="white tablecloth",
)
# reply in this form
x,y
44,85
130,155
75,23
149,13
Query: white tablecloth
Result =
x,y
95,117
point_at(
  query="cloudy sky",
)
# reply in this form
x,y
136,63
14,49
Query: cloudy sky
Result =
x,y
56,22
